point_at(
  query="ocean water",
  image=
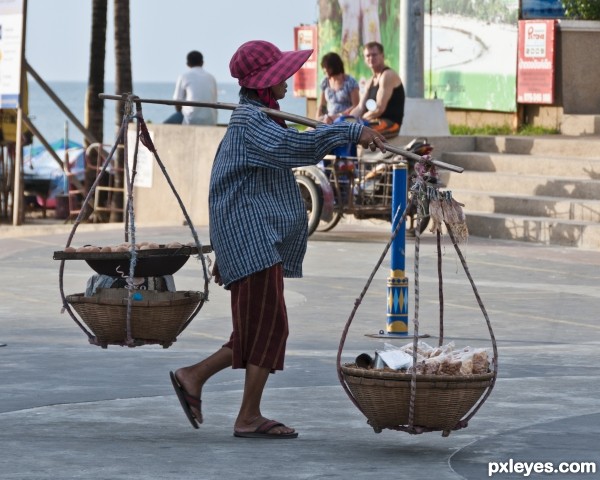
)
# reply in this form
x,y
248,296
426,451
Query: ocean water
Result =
x,y
53,124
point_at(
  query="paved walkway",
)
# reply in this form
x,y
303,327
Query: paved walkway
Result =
x,y
70,410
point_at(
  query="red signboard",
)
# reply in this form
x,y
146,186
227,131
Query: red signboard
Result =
x,y
535,65
305,80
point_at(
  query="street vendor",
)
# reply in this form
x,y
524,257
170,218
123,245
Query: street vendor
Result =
x,y
258,229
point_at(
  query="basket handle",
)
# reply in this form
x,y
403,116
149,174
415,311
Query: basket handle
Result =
x,y
358,301
465,420
81,217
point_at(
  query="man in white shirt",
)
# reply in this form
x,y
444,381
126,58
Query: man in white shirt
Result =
x,y
196,85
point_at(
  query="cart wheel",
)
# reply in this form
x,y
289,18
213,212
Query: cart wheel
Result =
x,y
312,199
337,214
335,219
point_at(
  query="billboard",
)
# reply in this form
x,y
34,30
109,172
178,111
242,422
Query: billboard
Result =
x,y
542,9
470,53
346,25
470,48
11,44
535,79
305,79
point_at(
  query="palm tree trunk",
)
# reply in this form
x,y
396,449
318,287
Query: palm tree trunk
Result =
x,y
94,112
94,105
123,84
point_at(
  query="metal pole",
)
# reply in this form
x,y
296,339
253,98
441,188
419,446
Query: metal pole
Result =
x,y
397,282
412,32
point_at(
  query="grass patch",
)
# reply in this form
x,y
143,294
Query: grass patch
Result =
x,y
501,130
533,130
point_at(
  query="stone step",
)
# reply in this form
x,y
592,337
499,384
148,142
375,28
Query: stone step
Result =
x,y
543,189
533,185
585,167
580,124
539,206
543,230
554,145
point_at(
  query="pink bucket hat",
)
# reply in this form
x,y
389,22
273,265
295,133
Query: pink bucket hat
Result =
x,y
260,64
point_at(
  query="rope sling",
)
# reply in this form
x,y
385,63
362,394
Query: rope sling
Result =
x,y
372,393
173,314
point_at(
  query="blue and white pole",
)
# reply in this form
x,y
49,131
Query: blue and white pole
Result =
x,y
397,284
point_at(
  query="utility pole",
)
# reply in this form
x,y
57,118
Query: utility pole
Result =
x,y
412,34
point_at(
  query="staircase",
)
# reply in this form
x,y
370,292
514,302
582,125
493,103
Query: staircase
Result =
x,y
532,189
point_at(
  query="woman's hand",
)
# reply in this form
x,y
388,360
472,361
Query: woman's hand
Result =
x,y
372,140
217,275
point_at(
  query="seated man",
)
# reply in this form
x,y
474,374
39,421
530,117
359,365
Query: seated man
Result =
x,y
382,103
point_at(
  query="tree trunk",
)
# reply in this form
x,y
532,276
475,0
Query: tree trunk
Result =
x,y
123,84
94,106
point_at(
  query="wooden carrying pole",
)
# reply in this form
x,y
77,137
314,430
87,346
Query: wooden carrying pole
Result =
x,y
286,116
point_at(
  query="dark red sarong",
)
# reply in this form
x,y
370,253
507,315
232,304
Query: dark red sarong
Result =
x,y
260,323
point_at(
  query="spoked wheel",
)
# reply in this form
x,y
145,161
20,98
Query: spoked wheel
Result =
x,y
312,199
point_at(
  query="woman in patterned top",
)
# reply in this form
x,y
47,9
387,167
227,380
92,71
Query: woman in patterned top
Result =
x,y
339,92
258,229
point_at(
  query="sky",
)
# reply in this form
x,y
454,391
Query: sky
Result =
x,y
162,33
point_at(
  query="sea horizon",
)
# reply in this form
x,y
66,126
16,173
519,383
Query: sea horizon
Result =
x,y
54,125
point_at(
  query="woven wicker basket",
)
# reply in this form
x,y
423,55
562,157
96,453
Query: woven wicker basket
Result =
x,y
441,401
157,318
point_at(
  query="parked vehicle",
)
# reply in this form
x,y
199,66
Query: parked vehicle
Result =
x,y
44,180
346,184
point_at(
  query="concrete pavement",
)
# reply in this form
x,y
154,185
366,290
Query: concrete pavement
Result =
x,y
70,410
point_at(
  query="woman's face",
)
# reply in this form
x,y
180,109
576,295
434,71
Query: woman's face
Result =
x,y
279,90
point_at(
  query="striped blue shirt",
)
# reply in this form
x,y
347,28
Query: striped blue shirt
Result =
x,y
257,215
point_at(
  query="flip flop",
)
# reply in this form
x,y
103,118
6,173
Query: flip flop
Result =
x,y
186,400
262,431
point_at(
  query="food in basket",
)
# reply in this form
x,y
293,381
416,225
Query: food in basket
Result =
x,y
88,249
476,363
441,360
153,259
449,366
124,247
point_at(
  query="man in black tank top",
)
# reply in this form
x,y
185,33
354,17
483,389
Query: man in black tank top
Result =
x,y
386,92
